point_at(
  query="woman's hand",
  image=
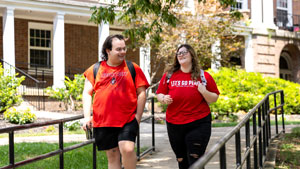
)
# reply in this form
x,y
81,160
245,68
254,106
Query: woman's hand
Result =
x,y
167,99
201,88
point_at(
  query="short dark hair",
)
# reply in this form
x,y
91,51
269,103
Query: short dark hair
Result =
x,y
108,44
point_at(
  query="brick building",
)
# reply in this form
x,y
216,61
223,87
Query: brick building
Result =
x,y
272,40
53,38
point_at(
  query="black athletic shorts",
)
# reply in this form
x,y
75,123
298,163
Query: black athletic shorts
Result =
x,y
108,137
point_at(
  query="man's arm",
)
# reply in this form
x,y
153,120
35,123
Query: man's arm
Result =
x,y
87,102
141,100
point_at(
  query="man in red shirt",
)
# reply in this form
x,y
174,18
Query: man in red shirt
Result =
x,y
118,103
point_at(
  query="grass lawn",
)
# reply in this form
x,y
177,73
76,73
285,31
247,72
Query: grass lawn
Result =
x,y
288,153
81,158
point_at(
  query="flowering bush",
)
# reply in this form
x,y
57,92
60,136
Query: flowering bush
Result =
x,y
19,116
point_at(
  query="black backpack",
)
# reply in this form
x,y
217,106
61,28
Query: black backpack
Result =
x,y
129,65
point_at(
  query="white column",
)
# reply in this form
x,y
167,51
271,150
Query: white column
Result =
x,y
245,5
256,13
268,14
103,33
215,49
58,51
9,38
290,12
145,61
249,55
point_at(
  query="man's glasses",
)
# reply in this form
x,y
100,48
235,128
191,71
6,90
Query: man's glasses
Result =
x,y
182,53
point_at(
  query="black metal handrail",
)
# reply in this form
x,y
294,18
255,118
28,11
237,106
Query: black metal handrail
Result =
x,y
261,135
62,149
30,86
37,70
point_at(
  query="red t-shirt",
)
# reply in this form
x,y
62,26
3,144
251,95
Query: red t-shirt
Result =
x,y
188,104
115,99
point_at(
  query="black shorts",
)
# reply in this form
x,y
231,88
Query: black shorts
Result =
x,y
108,137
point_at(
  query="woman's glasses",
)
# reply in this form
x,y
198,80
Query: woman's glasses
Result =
x,y
182,53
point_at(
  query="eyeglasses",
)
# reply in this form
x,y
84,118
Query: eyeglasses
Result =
x,y
182,53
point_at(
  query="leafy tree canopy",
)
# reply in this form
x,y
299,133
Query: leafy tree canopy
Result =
x,y
127,11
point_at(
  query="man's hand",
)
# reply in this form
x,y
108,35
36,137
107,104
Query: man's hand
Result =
x,y
87,124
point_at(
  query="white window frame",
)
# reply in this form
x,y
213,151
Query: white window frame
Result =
x,y
289,10
43,26
244,5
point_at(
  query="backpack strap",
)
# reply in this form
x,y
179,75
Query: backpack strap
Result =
x,y
96,68
129,65
169,75
203,80
131,70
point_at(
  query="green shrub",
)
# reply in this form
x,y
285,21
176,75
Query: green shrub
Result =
x,y
50,129
71,93
8,89
241,90
19,116
72,125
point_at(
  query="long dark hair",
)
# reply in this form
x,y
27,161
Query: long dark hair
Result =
x,y
108,44
195,63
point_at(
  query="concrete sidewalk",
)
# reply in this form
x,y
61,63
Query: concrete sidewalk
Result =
x,y
163,157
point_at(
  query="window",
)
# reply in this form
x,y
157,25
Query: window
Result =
x,y
282,18
238,5
282,3
40,45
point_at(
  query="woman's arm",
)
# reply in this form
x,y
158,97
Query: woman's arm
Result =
x,y
165,99
210,97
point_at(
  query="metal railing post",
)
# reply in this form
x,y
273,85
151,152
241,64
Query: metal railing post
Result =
x,y
138,145
153,123
276,120
247,128
238,148
223,157
11,149
255,142
260,146
282,110
61,145
94,154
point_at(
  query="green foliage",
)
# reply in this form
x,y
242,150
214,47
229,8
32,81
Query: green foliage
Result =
x,y
50,129
72,125
241,90
130,11
19,116
288,153
80,158
8,89
71,93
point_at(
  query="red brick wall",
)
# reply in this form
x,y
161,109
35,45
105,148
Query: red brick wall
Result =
x,y
296,11
81,47
21,41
